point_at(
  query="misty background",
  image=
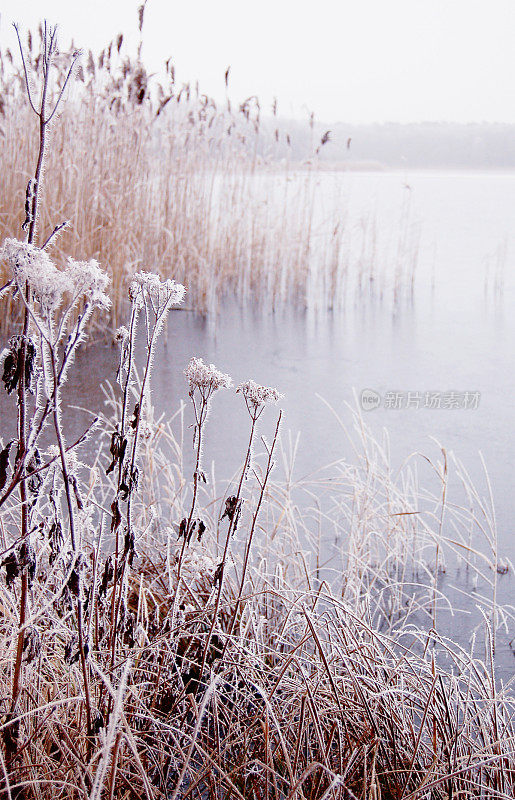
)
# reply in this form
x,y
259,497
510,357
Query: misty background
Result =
x,y
393,145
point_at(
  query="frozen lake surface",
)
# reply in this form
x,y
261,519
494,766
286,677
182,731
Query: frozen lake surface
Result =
x,y
437,357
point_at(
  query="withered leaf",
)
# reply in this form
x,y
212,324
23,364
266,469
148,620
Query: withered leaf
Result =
x,y
107,576
73,482
219,571
10,375
12,567
135,417
35,481
129,481
70,657
31,644
129,546
232,511
13,363
4,463
117,449
117,517
201,525
55,540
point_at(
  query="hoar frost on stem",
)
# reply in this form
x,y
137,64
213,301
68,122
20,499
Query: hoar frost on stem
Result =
x,y
90,280
161,294
72,462
32,265
121,334
256,395
206,378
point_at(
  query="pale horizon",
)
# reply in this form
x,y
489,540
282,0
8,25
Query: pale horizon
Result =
x,y
357,63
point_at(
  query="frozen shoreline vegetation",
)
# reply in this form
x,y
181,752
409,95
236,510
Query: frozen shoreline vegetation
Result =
x,y
162,640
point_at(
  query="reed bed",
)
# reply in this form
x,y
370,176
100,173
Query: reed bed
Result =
x,y
161,638
159,174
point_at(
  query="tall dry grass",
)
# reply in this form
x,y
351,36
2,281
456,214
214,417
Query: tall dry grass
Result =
x,y
313,684
162,638
162,175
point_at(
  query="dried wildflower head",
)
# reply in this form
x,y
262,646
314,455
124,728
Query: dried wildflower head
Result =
x,y
88,279
256,396
206,378
32,265
121,334
161,294
122,338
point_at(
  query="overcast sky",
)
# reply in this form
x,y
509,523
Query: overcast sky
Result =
x,y
360,61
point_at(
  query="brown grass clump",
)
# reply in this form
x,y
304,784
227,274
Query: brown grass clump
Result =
x,y
304,698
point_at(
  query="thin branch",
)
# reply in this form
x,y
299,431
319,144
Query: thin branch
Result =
x,y
63,88
6,286
27,85
57,229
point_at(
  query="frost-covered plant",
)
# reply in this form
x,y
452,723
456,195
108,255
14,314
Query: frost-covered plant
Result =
x,y
257,396
206,378
203,381
58,301
151,298
34,272
41,287
147,288
88,280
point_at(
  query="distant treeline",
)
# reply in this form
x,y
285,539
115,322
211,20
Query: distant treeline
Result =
x,y
395,145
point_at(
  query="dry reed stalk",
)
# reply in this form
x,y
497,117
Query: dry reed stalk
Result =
x,y
197,202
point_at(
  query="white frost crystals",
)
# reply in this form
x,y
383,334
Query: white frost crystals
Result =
x,y
32,265
90,280
205,377
121,334
162,295
256,395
